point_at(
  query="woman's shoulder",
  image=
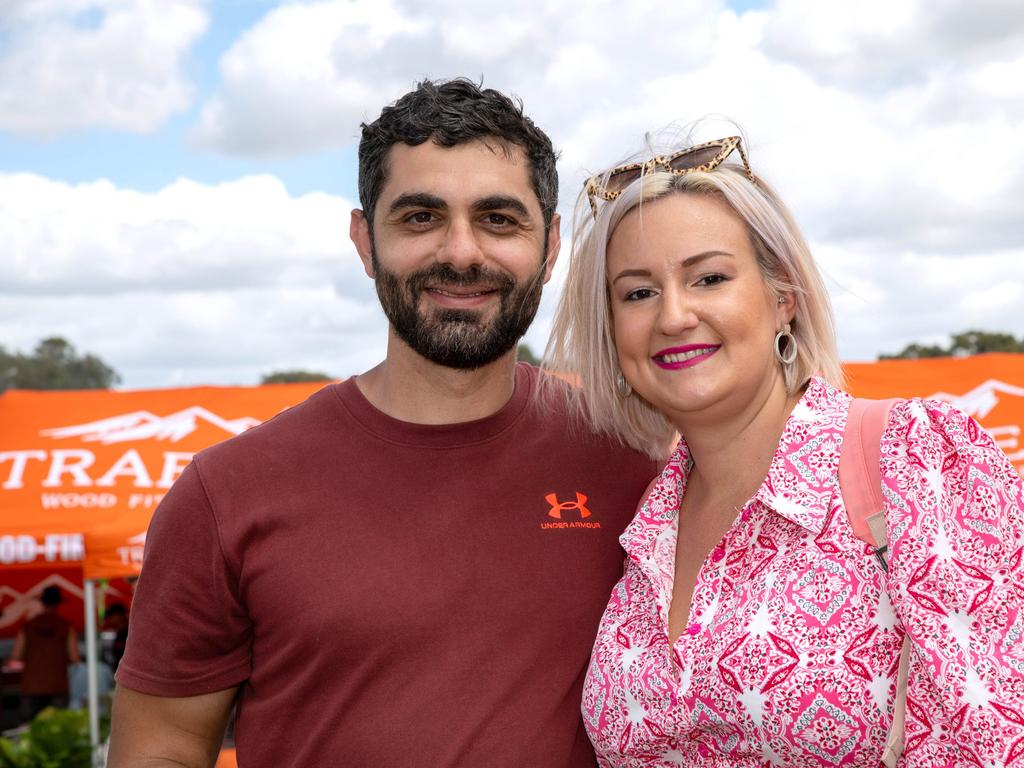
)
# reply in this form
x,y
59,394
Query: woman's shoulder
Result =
x,y
934,455
940,431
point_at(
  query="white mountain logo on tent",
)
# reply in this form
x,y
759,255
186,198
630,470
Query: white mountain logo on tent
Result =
x,y
982,399
143,425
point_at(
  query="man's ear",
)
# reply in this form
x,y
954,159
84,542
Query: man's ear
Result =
x,y
554,245
359,231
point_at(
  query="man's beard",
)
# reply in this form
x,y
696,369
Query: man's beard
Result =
x,y
458,338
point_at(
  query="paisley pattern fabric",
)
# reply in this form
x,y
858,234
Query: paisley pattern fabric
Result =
x,y
792,644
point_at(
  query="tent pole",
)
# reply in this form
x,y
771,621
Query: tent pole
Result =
x,y
92,667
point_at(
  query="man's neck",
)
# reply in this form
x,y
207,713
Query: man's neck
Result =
x,y
408,387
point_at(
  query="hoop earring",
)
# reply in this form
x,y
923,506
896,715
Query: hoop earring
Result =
x,y
622,388
785,356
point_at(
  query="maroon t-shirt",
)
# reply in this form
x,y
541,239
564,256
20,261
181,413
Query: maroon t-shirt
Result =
x,y
387,593
46,655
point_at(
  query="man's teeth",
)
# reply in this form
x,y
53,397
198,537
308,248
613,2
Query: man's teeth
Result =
x,y
459,295
679,357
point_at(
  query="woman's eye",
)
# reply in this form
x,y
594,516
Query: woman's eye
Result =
x,y
638,294
712,279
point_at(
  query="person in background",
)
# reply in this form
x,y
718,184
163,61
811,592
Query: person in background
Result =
x,y
115,627
461,539
45,645
752,627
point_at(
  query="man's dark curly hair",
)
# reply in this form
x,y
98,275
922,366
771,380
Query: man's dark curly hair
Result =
x,y
449,113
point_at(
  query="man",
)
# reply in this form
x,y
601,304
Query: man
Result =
x,y
407,569
46,645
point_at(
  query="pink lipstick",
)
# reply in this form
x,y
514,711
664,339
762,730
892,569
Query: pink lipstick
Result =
x,y
687,356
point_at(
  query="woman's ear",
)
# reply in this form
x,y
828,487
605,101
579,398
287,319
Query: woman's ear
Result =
x,y
786,308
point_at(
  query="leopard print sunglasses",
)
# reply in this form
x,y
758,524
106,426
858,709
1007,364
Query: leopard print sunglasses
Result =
x,y
701,157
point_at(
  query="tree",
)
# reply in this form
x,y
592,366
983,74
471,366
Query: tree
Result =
x,y
525,354
55,365
962,345
291,377
979,342
916,352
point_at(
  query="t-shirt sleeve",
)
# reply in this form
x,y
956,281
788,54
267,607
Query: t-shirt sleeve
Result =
x,y
189,632
954,516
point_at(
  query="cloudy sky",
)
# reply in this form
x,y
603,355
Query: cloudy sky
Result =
x,y
176,175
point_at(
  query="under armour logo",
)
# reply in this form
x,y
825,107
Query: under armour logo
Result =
x,y
557,507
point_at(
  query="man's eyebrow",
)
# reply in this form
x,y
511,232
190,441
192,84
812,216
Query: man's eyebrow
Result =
x,y
687,262
417,200
501,203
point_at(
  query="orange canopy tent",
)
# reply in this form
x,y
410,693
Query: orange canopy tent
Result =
x,y
81,472
989,387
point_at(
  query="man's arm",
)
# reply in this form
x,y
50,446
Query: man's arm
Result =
x,y
160,732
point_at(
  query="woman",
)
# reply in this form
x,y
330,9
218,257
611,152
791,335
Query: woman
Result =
x,y
751,627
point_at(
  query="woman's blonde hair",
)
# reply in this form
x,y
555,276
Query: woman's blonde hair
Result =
x,y
582,343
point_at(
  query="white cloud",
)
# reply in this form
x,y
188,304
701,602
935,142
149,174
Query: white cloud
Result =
x,y
883,302
214,282
874,44
70,64
894,129
319,68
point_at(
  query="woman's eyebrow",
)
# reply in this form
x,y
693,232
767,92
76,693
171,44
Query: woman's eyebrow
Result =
x,y
689,261
632,273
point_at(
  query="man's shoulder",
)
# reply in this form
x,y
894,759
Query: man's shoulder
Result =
x,y
293,426
558,409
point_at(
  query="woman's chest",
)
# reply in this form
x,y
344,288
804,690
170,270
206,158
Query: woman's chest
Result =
x,y
789,655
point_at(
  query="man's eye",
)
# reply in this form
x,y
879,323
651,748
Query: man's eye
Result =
x,y
498,220
420,217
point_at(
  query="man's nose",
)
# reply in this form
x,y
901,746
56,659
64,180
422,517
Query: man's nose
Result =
x,y
460,248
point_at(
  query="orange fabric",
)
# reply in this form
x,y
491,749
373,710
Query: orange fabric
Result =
x,y
85,497
81,472
227,759
988,387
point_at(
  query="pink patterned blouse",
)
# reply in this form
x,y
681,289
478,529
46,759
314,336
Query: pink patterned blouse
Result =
x,y
790,654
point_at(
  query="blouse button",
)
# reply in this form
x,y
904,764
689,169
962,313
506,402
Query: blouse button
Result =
x,y
693,629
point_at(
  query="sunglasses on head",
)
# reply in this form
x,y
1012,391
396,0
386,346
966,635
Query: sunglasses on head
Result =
x,y
702,157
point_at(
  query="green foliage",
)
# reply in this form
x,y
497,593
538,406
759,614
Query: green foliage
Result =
x,y
979,342
525,354
57,738
916,352
961,345
54,365
291,377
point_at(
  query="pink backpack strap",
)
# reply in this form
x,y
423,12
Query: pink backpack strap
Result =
x,y
859,476
860,482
